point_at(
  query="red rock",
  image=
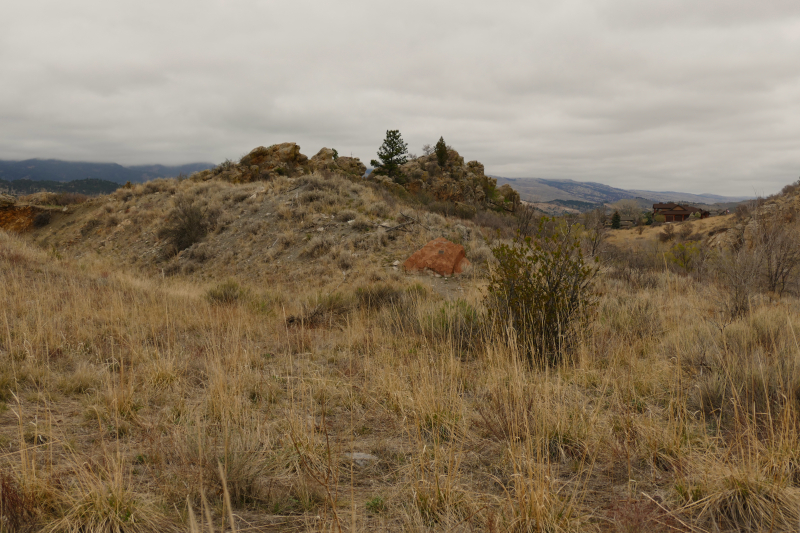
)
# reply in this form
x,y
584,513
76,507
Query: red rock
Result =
x,y
439,255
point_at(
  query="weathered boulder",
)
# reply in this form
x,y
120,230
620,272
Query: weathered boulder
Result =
x,y
7,200
265,163
440,256
510,197
328,159
282,159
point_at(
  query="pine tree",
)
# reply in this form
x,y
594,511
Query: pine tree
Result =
x,y
441,152
615,220
392,154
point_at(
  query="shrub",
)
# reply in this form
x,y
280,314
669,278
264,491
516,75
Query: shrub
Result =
x,y
684,255
187,224
465,211
667,234
16,507
69,198
226,293
542,287
41,219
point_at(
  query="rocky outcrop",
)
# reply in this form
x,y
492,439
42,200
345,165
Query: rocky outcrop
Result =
x,y
440,256
7,200
285,159
328,159
456,182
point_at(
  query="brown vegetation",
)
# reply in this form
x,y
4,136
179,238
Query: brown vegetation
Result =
x,y
228,385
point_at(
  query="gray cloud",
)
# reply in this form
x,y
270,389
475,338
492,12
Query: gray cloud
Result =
x,y
665,94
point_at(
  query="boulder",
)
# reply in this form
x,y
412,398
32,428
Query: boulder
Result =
x,y
327,159
282,159
7,200
440,256
510,197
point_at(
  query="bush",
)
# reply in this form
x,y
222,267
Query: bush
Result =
x,y
684,255
225,293
41,219
542,287
187,224
667,234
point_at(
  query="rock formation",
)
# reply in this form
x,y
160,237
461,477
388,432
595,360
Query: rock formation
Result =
x,y
456,182
284,159
440,256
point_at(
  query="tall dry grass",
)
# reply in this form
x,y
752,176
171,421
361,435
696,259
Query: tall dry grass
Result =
x,y
132,404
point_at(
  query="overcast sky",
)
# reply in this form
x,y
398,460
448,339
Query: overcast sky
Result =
x,y
687,95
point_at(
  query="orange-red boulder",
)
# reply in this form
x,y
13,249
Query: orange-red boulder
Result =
x,y
440,256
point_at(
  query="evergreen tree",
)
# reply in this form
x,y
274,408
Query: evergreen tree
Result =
x,y
615,220
441,152
392,154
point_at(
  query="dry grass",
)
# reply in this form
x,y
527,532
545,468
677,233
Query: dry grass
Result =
x,y
133,401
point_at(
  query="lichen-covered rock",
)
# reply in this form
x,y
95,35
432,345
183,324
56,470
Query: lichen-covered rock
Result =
x,y
327,159
264,163
510,197
440,256
456,182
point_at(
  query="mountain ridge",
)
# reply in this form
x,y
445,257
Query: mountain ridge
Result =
x,y
63,171
547,190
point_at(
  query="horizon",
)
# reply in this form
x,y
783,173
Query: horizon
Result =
x,y
369,169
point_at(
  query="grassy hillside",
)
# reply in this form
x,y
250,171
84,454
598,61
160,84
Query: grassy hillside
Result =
x,y
240,380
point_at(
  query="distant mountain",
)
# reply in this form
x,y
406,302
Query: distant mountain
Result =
x,y
56,170
89,186
544,190
149,172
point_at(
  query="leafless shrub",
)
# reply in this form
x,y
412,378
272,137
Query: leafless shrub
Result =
x,y
737,273
667,234
188,223
778,246
89,226
16,508
69,198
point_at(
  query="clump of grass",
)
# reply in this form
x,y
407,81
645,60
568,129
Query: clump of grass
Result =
x,y
226,293
317,246
104,498
380,294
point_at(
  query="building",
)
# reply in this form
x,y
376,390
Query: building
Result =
x,y
673,212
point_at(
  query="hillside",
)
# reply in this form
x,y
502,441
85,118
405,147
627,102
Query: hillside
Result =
x,y
545,190
55,170
88,186
242,349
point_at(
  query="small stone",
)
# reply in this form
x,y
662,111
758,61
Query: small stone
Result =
x,y
320,228
361,459
396,263
351,221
